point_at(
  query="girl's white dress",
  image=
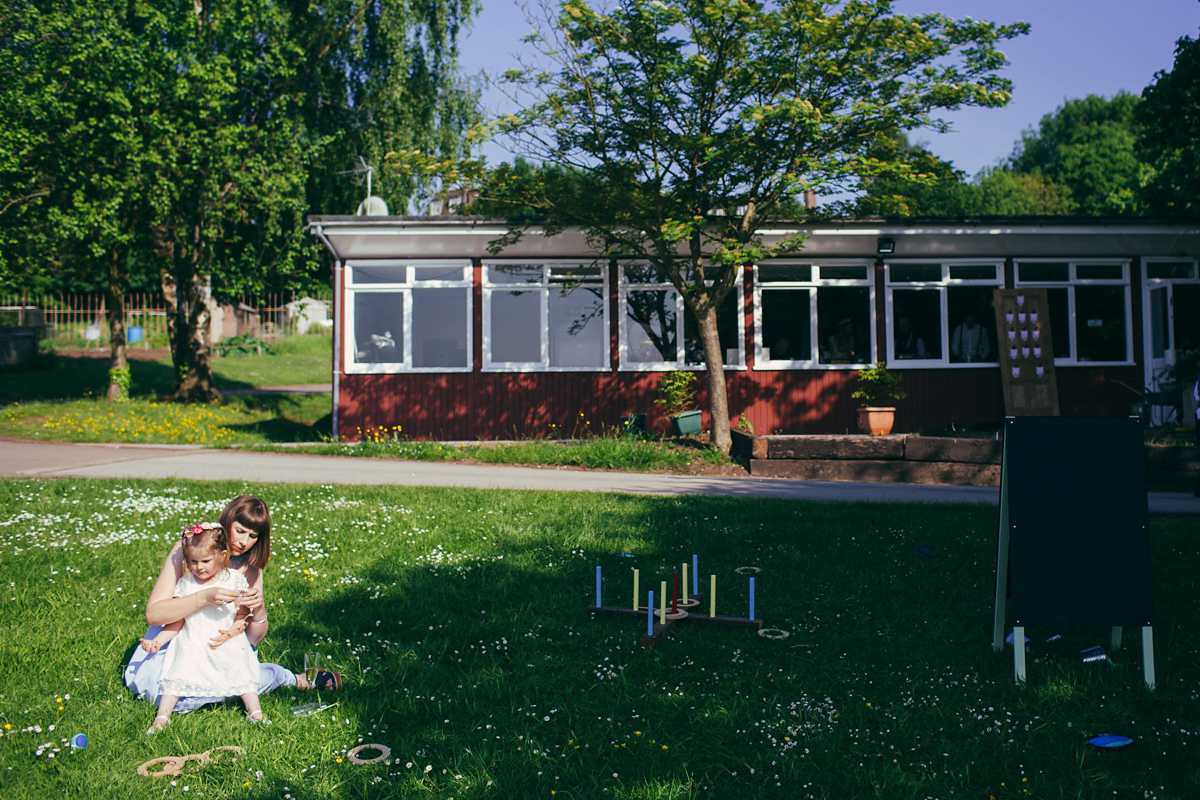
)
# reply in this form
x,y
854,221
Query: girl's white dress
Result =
x,y
194,668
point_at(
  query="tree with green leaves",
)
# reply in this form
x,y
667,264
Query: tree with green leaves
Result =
x,y
186,139
1169,139
1087,145
681,128
936,189
73,194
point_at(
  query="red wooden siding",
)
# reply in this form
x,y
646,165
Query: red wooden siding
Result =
x,y
503,406
570,404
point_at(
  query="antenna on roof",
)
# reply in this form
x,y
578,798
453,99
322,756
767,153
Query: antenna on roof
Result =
x,y
372,206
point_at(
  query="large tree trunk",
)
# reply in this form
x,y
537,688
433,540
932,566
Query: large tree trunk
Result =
x,y
718,399
188,327
114,295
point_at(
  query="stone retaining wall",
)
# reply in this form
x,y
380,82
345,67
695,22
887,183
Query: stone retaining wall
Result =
x,y
902,458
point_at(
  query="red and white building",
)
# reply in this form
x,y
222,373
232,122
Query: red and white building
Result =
x,y
438,338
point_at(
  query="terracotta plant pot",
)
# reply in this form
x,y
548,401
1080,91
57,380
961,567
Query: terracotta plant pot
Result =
x,y
876,421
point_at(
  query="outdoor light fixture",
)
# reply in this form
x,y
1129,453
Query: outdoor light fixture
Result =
x,y
885,247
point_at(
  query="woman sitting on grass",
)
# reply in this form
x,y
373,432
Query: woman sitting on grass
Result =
x,y
205,660
248,522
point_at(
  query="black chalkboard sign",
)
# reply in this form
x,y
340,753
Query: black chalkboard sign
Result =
x,y
1073,509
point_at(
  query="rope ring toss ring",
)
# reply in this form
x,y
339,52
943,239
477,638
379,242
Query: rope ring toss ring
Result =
x,y
773,633
173,767
384,752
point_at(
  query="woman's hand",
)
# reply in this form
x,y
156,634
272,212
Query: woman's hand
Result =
x,y
149,645
252,599
217,596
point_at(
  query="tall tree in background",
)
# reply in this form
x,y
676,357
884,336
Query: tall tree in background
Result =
x,y
936,189
1087,145
74,204
1170,137
686,126
188,137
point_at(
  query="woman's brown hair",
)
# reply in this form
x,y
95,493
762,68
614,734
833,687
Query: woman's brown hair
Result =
x,y
252,513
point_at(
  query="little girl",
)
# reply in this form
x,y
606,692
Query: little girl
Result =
x,y
193,666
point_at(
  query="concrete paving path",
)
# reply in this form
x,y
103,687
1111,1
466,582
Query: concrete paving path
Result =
x,y
27,459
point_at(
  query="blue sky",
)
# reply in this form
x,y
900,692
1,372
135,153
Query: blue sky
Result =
x,y
1075,48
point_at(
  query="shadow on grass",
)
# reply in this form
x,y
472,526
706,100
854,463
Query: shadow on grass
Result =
x,y
60,376
286,417
282,430
461,645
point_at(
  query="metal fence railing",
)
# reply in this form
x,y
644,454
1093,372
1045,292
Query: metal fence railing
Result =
x,y
67,321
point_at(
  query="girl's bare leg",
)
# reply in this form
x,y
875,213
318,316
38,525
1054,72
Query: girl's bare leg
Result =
x,y
166,705
253,709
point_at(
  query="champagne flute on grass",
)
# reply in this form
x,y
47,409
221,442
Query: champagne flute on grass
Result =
x,y
312,665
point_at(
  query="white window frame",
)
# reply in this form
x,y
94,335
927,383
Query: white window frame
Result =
x,y
942,285
1070,284
404,287
544,288
1153,366
762,361
680,362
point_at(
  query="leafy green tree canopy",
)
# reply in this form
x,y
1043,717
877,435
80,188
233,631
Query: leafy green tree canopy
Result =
x,y
685,126
936,189
1087,145
184,140
1169,140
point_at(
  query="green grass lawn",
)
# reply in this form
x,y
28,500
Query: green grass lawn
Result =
x,y
56,399
73,375
459,620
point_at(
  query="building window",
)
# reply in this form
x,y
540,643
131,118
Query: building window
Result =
x,y
408,317
809,315
1089,308
544,317
941,313
657,332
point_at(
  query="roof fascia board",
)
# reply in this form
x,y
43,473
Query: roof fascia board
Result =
x,y
395,237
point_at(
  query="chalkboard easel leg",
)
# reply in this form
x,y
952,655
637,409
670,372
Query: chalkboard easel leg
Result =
x,y
1116,638
1019,652
1148,656
1001,569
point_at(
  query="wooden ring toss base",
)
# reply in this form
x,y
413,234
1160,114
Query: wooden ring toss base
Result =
x,y
384,752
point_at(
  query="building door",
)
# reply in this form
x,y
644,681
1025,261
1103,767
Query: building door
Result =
x,y
1173,321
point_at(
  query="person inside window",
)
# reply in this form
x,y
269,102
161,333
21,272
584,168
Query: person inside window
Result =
x,y
969,342
843,348
908,343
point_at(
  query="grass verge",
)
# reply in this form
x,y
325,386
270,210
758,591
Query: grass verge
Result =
x,y
458,617
241,420
270,421
83,374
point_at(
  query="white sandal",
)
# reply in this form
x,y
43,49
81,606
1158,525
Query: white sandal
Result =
x,y
155,727
257,718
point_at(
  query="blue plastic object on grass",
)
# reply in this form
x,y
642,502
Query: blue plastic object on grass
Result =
x,y
1110,741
